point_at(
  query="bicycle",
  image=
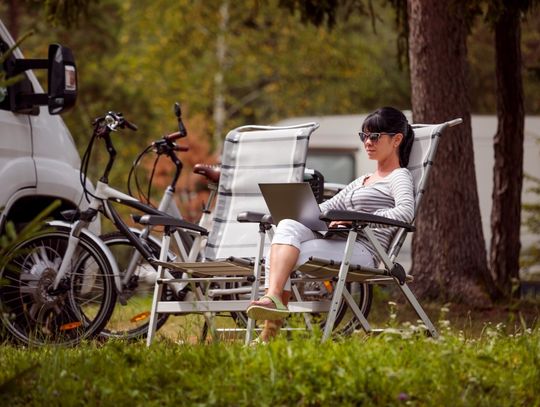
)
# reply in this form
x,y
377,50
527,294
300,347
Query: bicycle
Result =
x,y
138,275
64,286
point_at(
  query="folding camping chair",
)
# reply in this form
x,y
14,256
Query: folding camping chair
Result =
x,y
251,155
318,269
389,271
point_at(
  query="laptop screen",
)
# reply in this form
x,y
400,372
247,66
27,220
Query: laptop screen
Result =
x,y
293,201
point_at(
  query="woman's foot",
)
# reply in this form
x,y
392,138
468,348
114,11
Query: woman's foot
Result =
x,y
271,329
268,307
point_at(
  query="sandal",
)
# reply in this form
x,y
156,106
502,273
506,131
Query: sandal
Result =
x,y
265,311
257,342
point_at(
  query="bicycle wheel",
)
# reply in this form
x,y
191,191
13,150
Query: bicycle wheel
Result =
x,y
346,323
130,319
76,310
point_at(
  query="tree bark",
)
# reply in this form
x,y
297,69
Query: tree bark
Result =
x,y
220,113
449,253
14,16
508,149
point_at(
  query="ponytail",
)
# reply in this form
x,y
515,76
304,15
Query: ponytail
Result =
x,y
406,146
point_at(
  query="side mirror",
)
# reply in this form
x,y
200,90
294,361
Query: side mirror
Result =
x,y
62,84
62,81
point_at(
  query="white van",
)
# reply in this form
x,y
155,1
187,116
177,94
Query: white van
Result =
x,y
38,158
335,150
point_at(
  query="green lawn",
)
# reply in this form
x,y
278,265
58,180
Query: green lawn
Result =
x,y
405,368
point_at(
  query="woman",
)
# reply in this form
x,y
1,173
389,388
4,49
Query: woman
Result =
x,y
388,192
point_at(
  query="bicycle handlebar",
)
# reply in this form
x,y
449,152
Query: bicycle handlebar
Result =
x,y
129,125
164,146
182,132
111,122
173,136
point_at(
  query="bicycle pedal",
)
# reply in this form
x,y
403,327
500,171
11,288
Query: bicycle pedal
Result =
x,y
122,298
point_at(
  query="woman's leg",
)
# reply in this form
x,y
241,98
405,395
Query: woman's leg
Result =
x,y
271,327
279,265
283,258
284,253
325,248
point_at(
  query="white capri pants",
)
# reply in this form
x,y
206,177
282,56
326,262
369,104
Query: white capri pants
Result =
x,y
311,243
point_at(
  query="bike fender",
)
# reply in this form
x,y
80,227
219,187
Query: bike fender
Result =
x,y
103,247
171,255
139,232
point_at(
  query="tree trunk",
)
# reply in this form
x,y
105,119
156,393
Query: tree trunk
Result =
x,y
220,113
14,16
449,253
508,148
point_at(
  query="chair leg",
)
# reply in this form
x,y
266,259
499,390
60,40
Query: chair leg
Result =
x,y
152,325
209,325
356,311
158,290
419,310
298,297
255,287
338,291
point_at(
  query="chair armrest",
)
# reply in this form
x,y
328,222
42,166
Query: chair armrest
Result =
x,y
254,217
362,217
162,220
250,217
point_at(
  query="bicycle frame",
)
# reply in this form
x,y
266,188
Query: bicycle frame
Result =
x,y
102,201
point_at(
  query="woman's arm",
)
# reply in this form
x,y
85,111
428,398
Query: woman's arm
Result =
x,y
338,201
402,189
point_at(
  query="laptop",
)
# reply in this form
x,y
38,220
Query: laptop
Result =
x,y
293,200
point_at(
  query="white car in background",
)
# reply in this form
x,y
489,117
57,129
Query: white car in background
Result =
x,y
38,158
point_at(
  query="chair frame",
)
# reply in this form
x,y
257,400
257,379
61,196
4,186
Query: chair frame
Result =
x,y
238,270
390,271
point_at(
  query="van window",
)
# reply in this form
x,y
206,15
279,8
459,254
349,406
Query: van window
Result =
x,y
336,167
8,96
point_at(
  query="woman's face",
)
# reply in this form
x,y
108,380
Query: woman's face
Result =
x,y
383,147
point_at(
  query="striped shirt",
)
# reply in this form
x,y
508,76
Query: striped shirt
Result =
x,y
391,197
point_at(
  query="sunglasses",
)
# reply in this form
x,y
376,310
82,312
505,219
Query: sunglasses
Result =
x,y
374,137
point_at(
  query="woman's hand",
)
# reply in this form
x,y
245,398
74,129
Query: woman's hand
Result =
x,y
339,224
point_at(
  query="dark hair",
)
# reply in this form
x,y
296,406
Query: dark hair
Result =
x,y
391,120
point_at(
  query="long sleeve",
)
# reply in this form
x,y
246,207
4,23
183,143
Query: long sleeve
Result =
x,y
401,188
392,197
341,201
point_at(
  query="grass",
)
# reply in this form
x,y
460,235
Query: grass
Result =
x,y
401,367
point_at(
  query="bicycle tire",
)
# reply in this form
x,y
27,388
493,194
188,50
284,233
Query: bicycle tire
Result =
x,y
363,297
130,321
82,304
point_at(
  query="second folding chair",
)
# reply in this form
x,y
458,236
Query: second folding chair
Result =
x,y
233,253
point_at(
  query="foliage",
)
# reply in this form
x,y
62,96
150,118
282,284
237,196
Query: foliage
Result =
x,y
11,238
482,74
4,81
531,255
328,12
140,57
66,12
384,370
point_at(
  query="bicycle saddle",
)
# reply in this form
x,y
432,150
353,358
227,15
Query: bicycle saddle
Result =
x,y
209,171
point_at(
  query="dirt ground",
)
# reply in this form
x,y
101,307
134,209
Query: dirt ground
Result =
x,y
515,316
